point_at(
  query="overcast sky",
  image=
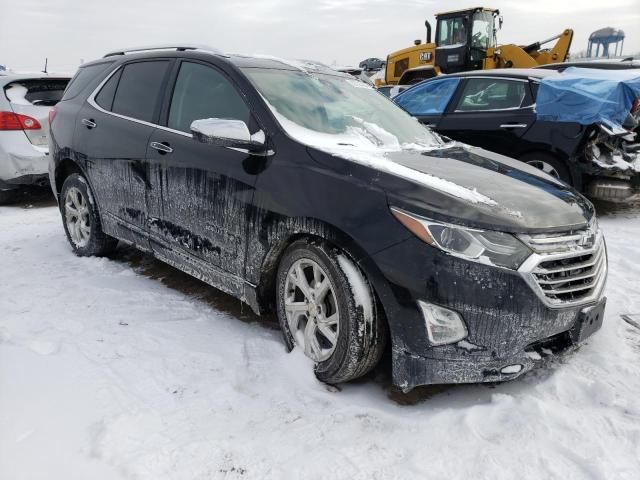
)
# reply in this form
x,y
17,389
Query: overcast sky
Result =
x,y
341,31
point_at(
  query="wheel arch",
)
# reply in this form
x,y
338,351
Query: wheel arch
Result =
x,y
314,230
63,169
571,166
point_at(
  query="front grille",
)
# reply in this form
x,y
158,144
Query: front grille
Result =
x,y
571,279
568,268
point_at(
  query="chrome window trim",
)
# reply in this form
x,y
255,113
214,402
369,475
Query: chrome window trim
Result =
x,y
530,264
91,101
496,109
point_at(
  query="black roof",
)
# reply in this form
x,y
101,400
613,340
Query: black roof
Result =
x,y
507,72
603,64
239,60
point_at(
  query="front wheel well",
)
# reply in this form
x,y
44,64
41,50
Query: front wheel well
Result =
x,y
266,289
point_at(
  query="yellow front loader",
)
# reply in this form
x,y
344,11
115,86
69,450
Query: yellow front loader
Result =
x,y
467,40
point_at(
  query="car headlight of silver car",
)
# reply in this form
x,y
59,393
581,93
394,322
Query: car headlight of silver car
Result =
x,y
482,246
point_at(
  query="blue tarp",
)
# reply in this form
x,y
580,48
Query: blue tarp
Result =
x,y
588,96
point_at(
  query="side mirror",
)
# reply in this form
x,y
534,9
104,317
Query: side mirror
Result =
x,y
500,20
227,133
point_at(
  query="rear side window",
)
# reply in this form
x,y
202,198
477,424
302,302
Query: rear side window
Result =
x,y
108,91
82,78
429,98
138,92
482,94
203,92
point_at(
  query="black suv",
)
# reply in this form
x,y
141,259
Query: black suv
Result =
x,y
299,189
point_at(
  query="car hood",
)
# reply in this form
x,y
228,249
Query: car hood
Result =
x,y
471,186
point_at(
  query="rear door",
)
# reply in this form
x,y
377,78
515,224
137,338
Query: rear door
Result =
x,y
200,193
115,128
492,113
429,100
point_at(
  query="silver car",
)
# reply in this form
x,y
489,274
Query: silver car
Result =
x,y
25,101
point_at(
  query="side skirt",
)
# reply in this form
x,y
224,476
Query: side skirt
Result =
x,y
224,281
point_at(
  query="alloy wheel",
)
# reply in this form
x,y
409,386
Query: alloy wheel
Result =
x,y
311,309
545,167
76,214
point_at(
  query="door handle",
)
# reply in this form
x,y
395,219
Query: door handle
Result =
x,y
161,147
513,125
89,123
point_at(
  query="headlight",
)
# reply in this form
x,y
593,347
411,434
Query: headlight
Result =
x,y
483,246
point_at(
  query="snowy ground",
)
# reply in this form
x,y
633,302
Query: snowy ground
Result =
x,y
125,368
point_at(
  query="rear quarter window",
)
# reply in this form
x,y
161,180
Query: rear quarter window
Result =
x,y
83,77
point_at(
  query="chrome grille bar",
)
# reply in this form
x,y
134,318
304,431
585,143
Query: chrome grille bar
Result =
x,y
570,267
574,274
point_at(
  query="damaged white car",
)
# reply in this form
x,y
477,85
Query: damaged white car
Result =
x,y
25,102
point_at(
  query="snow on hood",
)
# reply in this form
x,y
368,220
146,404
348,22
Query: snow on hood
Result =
x,y
369,144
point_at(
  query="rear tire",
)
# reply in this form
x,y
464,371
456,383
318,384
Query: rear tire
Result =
x,y
81,220
549,164
327,307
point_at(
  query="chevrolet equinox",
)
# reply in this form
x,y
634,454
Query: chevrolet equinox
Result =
x,y
302,190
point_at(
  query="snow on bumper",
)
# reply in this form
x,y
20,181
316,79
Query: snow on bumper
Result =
x,y
19,158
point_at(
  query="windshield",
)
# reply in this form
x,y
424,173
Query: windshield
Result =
x,y
330,112
482,32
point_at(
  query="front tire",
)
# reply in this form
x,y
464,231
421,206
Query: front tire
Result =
x,y
81,220
327,308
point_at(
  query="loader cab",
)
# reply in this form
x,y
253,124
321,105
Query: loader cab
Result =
x,y
463,38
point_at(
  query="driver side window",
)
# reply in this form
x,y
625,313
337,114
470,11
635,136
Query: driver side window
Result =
x,y
203,92
482,94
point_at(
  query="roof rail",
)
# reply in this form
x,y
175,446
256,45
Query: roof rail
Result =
x,y
180,47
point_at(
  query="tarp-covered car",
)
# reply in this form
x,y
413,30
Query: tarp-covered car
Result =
x,y
577,126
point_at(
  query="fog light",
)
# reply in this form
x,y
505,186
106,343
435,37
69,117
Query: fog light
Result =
x,y
443,325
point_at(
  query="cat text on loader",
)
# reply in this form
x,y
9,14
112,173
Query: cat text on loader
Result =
x,y
466,40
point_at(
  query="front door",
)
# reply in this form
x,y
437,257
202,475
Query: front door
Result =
x,y
200,193
117,125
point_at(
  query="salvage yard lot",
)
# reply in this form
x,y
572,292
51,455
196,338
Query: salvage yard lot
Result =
x,y
122,367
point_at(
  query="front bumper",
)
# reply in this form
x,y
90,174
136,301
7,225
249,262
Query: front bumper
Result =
x,y
508,322
19,159
615,190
